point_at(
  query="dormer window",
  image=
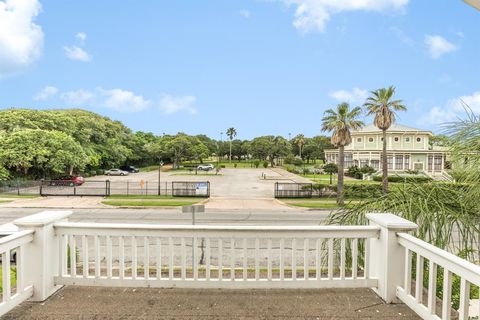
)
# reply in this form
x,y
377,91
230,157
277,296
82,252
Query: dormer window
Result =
x,y
407,139
359,139
370,139
419,139
396,139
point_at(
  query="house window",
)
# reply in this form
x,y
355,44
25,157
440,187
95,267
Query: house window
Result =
x,y
348,160
370,139
398,162
390,162
437,164
407,162
430,163
359,139
419,139
396,139
407,139
375,164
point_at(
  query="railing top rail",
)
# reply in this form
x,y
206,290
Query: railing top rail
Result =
x,y
459,266
15,240
341,231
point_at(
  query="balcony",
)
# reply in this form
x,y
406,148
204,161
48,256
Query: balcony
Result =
x,y
104,269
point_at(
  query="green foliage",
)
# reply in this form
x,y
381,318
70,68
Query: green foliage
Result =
x,y
330,168
265,164
269,148
356,191
41,153
440,210
357,172
256,163
405,178
3,173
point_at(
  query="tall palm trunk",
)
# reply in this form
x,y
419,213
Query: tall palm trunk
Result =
x,y
341,165
385,163
230,159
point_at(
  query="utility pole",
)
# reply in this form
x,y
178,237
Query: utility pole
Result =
x,y
159,171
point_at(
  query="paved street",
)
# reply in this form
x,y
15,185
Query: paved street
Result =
x,y
175,216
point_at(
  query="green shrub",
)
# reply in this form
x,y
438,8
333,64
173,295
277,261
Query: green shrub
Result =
x,y
93,173
265,164
256,163
416,179
357,190
100,172
298,162
234,165
289,159
222,166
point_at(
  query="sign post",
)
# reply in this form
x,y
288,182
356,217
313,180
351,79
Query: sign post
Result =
x,y
193,209
159,170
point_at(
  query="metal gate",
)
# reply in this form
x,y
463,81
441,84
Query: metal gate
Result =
x,y
293,190
191,189
68,188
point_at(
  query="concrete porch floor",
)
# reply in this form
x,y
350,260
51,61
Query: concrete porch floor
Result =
x,y
148,303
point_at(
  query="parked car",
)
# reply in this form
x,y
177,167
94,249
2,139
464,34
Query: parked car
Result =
x,y
130,169
70,181
205,167
116,172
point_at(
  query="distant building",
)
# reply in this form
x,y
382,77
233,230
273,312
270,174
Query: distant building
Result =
x,y
407,149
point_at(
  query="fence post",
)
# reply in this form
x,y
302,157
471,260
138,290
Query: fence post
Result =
x,y
42,255
387,257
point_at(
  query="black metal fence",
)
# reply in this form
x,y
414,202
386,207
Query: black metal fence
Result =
x,y
63,188
191,189
293,190
106,188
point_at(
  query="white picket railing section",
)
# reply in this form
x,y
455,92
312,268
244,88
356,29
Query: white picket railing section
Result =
x,y
214,256
14,289
468,273
51,252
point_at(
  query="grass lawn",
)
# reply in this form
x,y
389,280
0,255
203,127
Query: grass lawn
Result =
x,y
193,174
14,196
141,196
152,202
5,201
317,203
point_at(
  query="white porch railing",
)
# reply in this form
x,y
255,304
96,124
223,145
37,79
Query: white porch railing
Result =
x,y
52,252
213,256
14,289
452,265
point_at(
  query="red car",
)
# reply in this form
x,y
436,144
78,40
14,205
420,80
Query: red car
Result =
x,y
68,181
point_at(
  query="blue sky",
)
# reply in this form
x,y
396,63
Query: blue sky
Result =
x,y
261,66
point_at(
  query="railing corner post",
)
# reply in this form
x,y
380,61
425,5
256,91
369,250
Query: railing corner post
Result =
x,y
42,255
387,258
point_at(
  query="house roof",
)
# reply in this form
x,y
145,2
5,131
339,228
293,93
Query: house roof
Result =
x,y
371,128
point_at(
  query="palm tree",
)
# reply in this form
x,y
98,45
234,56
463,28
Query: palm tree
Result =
x,y
382,105
231,133
300,141
341,122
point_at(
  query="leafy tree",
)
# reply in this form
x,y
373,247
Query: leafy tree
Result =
x,y
299,141
330,168
382,105
41,153
269,148
341,121
439,141
231,133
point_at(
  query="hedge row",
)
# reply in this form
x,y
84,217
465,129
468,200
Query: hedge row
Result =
x,y
417,179
357,190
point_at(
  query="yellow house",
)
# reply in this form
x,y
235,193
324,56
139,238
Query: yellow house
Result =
x,y
407,149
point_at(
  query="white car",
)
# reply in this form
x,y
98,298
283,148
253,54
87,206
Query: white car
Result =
x,y
205,167
116,172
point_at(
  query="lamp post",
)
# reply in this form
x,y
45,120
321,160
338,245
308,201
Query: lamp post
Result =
x,y
159,170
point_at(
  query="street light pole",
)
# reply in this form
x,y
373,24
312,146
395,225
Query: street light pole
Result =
x,y
159,170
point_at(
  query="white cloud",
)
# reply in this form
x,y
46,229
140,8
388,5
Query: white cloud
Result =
x,y
453,109
81,36
123,100
402,36
312,15
170,104
46,93
21,40
78,97
245,13
438,46
77,53
355,96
